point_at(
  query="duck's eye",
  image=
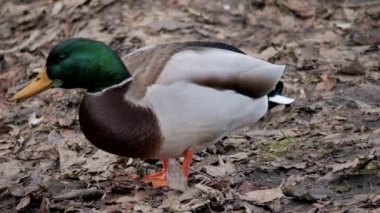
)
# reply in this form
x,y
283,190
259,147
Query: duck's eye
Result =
x,y
56,58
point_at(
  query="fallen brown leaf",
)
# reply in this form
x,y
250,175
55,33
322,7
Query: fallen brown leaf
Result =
x,y
189,194
365,37
167,25
171,201
376,199
306,190
238,156
175,178
221,170
183,202
286,165
264,196
10,77
11,168
138,197
207,190
299,7
353,164
24,202
44,206
354,68
101,164
328,82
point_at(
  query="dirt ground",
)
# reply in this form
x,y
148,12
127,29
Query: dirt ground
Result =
x,y
321,154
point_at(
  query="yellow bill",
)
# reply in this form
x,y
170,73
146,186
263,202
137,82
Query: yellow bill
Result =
x,y
38,85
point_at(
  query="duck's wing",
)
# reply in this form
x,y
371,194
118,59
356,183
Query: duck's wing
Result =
x,y
209,64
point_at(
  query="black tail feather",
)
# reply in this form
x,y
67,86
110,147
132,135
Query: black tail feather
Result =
x,y
276,91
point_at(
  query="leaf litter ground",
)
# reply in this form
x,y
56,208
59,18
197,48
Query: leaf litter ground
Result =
x,y
322,154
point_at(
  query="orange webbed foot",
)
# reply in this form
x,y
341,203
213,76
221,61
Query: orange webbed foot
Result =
x,y
158,179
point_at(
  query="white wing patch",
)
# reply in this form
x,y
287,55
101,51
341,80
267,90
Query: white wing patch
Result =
x,y
195,116
281,99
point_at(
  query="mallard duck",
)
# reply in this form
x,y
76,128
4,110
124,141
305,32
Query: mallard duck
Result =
x,y
167,101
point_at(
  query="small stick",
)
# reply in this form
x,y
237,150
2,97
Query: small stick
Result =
x,y
78,193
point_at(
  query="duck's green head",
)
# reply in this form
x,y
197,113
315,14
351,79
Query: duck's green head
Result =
x,y
78,63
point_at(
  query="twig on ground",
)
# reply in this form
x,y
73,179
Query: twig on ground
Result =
x,y
78,193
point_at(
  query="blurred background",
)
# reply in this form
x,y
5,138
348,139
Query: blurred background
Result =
x,y
324,149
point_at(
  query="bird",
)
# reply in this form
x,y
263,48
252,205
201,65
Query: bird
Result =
x,y
161,101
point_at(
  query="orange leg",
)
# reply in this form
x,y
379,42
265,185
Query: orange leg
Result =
x,y
158,179
188,154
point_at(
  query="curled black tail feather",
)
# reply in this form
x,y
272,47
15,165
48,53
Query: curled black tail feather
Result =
x,y
276,91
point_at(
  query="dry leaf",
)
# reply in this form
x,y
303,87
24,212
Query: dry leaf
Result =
x,y
44,37
95,30
300,7
57,7
189,194
11,168
353,164
73,4
24,202
101,164
286,165
67,157
196,203
376,199
238,156
348,165
171,201
167,25
306,190
221,170
175,178
264,196
10,77
268,53
45,205
5,30
207,190
185,202
365,37
354,68
328,81
142,207
307,57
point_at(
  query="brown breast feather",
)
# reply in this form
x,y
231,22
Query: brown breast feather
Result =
x,y
116,126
